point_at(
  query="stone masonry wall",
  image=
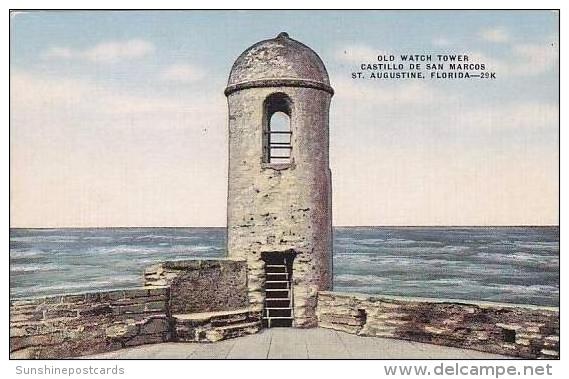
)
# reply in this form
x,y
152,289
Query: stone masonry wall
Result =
x,y
202,285
72,325
281,207
516,330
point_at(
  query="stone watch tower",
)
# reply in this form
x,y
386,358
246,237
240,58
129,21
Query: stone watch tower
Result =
x,y
279,215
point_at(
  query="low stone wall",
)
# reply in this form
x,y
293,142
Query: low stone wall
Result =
x,y
202,285
515,330
88,323
64,326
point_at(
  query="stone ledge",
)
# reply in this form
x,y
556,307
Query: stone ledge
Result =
x,y
479,303
523,331
215,326
207,316
91,296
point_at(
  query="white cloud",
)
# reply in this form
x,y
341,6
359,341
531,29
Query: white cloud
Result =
x,y
384,93
535,58
59,52
105,52
495,34
517,116
441,41
86,154
182,73
528,59
431,103
36,96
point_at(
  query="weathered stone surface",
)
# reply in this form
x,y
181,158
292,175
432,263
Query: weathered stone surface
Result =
x,y
215,326
281,207
155,326
122,330
78,324
280,57
518,330
201,285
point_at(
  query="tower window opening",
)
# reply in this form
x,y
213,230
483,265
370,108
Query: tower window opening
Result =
x,y
277,143
279,138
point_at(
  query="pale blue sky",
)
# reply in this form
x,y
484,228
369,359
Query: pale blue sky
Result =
x,y
119,118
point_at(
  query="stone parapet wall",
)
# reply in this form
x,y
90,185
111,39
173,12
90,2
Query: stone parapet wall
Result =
x,y
88,323
202,285
509,329
73,325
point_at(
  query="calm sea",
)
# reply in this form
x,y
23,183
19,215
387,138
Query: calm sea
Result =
x,y
513,264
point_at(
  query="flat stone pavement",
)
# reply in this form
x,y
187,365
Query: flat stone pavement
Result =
x,y
292,343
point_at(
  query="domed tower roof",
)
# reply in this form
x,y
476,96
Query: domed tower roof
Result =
x,y
281,61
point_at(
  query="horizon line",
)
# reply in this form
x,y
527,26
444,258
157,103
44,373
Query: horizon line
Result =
x,y
334,226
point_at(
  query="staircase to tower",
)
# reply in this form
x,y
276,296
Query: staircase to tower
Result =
x,y
278,310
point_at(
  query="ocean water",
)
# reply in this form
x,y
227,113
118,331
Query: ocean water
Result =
x,y
504,264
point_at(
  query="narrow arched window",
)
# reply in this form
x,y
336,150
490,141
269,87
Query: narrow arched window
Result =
x,y
277,136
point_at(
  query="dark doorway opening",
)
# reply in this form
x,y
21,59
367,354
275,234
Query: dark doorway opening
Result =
x,y
278,309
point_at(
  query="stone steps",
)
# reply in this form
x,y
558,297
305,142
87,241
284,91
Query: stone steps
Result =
x,y
215,326
232,331
278,300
